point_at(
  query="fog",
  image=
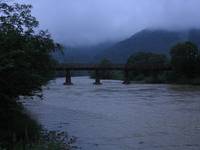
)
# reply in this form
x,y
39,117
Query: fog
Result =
x,y
86,22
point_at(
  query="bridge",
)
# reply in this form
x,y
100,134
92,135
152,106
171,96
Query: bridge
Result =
x,y
98,67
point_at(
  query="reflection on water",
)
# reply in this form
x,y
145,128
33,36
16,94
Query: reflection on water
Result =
x,y
114,116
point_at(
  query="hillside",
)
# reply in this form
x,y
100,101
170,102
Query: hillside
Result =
x,y
84,54
159,41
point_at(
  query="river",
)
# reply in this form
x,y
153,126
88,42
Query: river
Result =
x,y
113,116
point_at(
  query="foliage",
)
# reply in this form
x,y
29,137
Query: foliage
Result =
x,y
25,60
147,58
48,140
25,65
185,62
184,59
104,74
142,58
16,126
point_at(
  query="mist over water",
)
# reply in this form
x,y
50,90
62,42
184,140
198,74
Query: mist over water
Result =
x,y
114,116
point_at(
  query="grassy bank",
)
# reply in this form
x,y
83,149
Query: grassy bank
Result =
x,y
47,140
18,131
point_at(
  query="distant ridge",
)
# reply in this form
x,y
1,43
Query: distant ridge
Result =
x,y
159,41
83,54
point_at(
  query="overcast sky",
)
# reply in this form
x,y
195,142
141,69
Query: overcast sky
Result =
x,y
80,22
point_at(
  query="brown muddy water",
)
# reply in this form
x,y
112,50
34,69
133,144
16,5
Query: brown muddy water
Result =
x,y
113,116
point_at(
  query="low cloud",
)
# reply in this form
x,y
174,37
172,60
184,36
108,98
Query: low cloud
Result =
x,y
83,22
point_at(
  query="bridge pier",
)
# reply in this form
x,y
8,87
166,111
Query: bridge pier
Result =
x,y
97,77
126,77
68,78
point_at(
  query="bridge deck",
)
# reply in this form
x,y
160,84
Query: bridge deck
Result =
x,y
113,67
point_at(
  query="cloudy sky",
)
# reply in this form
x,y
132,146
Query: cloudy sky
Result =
x,y
81,22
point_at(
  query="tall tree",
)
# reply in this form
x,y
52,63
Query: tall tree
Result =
x,y
25,65
184,59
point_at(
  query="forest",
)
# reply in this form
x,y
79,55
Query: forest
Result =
x,y
184,58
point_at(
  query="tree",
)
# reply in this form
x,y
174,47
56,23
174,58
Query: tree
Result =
x,y
198,65
142,58
25,62
104,74
146,58
25,65
184,59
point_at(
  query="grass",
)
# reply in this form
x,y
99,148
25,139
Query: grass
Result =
x,y
48,140
18,131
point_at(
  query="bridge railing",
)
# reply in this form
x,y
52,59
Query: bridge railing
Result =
x,y
141,67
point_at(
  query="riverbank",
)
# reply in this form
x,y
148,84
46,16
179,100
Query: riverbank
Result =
x,y
166,77
48,140
19,131
183,81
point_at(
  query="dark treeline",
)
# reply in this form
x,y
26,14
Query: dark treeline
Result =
x,y
183,57
25,65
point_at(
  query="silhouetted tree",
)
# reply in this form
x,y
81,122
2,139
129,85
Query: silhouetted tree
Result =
x,y
145,58
198,65
25,65
106,74
184,59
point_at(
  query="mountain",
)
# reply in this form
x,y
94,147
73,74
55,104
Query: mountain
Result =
x,y
83,54
158,41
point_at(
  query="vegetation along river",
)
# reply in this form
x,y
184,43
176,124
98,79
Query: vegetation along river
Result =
x,y
113,116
